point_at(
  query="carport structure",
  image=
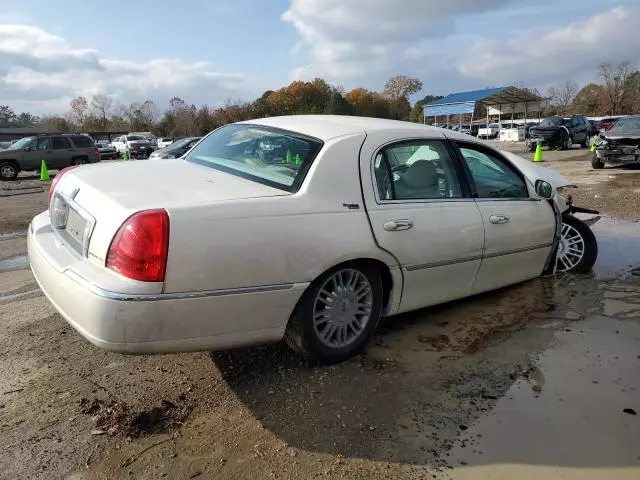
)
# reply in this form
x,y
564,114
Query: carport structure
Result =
x,y
497,101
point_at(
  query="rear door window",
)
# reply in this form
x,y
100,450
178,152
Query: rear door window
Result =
x,y
43,143
60,143
416,170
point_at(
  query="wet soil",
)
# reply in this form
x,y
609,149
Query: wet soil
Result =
x,y
532,381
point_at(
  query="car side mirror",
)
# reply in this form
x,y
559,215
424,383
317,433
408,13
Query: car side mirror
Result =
x,y
544,189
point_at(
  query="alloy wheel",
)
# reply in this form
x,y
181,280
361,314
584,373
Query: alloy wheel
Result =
x,y
571,248
7,171
342,308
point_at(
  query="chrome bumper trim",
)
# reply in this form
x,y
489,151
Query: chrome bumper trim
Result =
x,y
152,297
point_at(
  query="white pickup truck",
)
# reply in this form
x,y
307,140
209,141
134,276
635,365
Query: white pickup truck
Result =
x,y
490,131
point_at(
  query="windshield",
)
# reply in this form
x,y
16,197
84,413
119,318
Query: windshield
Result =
x,y
262,154
555,122
625,127
20,143
134,137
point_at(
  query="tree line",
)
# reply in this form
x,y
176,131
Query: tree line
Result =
x,y
618,92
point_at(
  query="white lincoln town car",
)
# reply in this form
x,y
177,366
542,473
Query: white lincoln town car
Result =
x,y
308,228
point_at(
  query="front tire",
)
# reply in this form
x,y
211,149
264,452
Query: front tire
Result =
x,y
9,170
596,162
566,142
578,248
337,315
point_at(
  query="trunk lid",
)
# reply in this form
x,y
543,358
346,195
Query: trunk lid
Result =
x,y
106,194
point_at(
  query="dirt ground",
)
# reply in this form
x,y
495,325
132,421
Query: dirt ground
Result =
x,y
539,380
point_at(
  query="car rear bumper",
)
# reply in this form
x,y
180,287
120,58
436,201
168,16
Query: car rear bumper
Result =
x,y
156,323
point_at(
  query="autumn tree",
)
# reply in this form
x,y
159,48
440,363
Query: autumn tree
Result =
x,y
590,100
7,116
101,108
180,117
141,116
78,106
614,79
631,95
298,98
398,90
54,123
562,95
367,103
338,105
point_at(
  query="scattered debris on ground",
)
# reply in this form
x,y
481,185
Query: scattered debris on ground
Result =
x,y
118,418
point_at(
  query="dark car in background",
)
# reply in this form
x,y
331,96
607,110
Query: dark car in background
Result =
x,y
620,144
107,152
175,149
560,132
57,150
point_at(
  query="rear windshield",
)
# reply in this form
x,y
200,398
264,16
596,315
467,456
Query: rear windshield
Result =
x,y
626,127
134,137
273,157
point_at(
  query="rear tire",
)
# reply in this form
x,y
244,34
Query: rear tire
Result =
x,y
337,314
9,170
578,249
596,163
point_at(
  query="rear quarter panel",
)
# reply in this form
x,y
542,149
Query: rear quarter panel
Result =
x,y
275,240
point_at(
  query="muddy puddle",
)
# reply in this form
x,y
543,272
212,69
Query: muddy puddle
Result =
x,y
517,375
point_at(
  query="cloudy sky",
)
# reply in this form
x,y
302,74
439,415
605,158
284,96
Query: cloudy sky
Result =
x,y
207,51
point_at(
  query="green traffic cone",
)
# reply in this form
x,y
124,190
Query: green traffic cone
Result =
x,y
125,155
538,155
288,157
298,160
44,171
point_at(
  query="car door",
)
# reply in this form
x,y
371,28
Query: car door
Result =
x,y
579,130
62,151
421,211
519,228
40,149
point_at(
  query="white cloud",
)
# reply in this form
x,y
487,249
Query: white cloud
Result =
x,y
40,72
461,44
550,55
352,38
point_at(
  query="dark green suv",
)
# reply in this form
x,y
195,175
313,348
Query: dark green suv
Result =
x,y
57,150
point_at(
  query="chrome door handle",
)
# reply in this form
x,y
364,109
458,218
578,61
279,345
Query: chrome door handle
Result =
x,y
499,219
397,225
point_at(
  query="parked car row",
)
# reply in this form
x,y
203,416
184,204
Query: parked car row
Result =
x,y
63,150
57,150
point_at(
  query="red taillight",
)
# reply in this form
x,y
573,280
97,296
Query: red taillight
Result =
x,y
97,151
55,181
139,249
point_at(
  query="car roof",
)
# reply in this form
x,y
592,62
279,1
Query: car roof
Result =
x,y
325,127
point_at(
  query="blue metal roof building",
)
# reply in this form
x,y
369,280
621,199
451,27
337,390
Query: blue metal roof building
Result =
x,y
462,103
